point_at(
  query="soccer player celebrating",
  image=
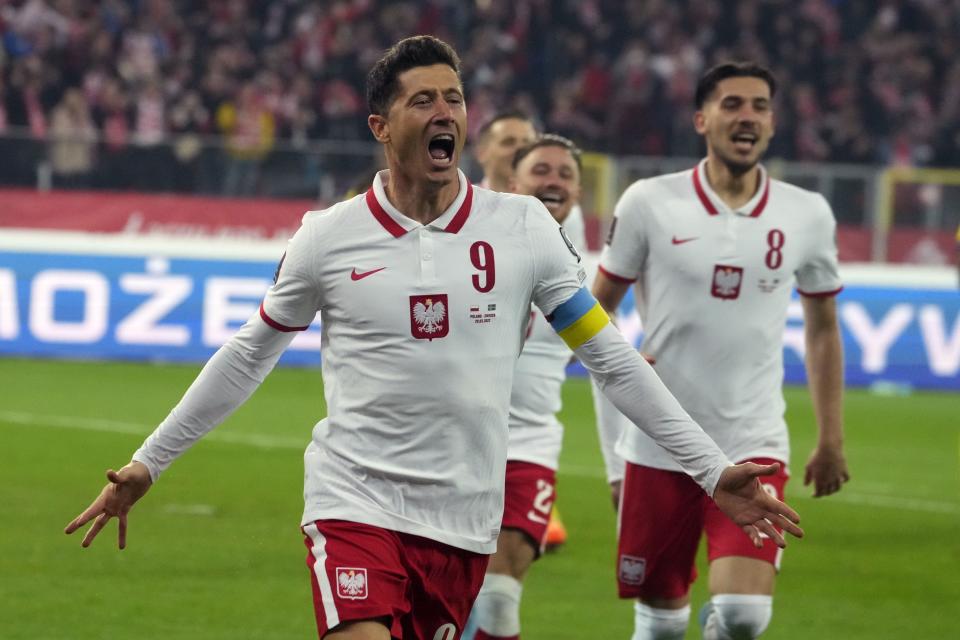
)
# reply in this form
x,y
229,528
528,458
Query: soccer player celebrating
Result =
x,y
423,285
715,252
548,169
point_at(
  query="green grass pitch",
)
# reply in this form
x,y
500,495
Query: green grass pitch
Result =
x,y
215,551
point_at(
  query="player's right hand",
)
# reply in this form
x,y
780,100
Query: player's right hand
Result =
x,y
740,496
123,490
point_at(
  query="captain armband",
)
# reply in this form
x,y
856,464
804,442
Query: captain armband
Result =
x,y
578,319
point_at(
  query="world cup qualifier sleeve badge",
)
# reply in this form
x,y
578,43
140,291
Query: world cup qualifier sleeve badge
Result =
x,y
429,316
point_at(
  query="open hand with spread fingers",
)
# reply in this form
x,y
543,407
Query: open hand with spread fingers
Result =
x,y
740,496
116,499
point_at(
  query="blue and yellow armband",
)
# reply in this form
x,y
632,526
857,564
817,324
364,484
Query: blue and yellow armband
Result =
x,y
578,319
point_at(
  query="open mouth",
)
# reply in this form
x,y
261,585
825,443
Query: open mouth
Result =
x,y
552,200
744,142
441,148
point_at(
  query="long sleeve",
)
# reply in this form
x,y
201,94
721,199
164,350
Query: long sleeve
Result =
x,y
635,389
620,372
610,425
228,379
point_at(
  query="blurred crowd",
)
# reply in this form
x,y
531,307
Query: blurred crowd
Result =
x,y
109,85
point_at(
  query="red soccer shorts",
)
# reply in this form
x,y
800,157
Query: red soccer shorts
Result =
x,y
420,588
529,496
662,516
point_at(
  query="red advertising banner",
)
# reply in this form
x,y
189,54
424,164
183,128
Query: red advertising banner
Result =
x,y
152,214
260,219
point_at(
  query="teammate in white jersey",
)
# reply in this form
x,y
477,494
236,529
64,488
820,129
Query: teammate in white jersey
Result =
x,y
548,169
497,143
423,286
715,252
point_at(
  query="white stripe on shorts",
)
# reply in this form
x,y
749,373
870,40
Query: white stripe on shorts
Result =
x,y
319,552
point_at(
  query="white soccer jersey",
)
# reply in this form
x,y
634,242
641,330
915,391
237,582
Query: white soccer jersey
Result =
x,y
535,433
422,326
713,289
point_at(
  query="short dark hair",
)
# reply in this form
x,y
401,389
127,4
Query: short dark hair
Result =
x,y
548,140
416,51
512,114
714,76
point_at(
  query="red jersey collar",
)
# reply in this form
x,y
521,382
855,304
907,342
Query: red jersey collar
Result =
x,y
712,203
397,224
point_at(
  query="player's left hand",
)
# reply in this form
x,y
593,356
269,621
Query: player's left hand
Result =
x,y
615,489
740,496
826,469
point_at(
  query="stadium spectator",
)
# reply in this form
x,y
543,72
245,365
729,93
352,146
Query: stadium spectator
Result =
x,y
148,135
189,122
714,274
73,139
29,94
404,478
249,128
113,114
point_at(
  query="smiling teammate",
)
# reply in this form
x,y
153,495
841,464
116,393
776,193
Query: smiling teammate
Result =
x,y
423,285
497,143
548,169
715,252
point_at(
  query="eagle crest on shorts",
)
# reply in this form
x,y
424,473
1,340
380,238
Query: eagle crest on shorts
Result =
x,y
632,569
352,583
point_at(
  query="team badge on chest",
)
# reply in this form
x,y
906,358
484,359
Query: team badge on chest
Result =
x,y
726,282
428,316
352,583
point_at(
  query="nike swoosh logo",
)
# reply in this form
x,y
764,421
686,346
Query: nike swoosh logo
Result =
x,y
677,240
360,276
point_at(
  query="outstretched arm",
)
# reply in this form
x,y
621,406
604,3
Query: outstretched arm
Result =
x,y
227,380
827,467
631,384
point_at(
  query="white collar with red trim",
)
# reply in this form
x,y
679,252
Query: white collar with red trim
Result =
x,y
451,220
712,202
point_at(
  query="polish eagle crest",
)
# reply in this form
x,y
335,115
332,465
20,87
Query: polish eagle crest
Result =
x,y
352,583
727,281
632,569
429,317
